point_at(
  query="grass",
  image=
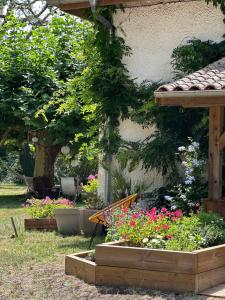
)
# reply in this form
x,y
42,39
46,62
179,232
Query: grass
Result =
x,y
29,247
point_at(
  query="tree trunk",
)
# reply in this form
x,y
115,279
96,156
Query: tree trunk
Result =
x,y
45,160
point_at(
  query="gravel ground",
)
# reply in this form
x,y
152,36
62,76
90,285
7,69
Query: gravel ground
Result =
x,y
48,281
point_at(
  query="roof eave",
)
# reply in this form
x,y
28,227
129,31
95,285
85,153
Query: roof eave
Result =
x,y
204,98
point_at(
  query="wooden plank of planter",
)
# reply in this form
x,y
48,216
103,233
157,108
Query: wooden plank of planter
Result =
x,y
169,281
40,224
209,279
77,265
146,259
210,258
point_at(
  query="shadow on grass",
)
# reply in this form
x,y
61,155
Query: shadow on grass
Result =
x,y
81,244
11,201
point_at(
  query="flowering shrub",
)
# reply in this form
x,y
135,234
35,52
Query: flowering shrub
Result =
x,y
92,184
45,208
186,195
164,229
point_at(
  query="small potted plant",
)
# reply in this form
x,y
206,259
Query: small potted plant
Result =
x,y
92,204
42,212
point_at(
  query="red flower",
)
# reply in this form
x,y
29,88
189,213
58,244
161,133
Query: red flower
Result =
x,y
125,209
165,226
169,236
132,223
157,228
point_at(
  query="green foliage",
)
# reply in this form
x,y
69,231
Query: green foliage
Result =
x,y
35,71
105,86
91,186
195,55
83,169
123,186
173,126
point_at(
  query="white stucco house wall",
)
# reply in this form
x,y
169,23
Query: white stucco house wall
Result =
x,y
153,29
153,32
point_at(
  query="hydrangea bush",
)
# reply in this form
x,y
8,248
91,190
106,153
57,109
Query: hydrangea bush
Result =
x,y
187,195
45,208
165,229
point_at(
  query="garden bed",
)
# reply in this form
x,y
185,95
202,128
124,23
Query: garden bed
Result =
x,y
81,266
118,264
40,224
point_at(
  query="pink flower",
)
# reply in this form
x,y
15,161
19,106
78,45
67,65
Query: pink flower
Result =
x,y
47,200
152,214
134,216
164,210
178,214
91,177
169,236
65,201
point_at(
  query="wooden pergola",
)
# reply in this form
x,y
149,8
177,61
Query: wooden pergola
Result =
x,y
204,88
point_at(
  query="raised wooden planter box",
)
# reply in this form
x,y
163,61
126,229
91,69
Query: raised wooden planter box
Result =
x,y
40,224
119,265
78,265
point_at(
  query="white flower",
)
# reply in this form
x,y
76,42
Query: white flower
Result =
x,y
191,148
181,148
169,198
173,207
195,162
184,163
191,178
145,240
195,145
183,197
188,182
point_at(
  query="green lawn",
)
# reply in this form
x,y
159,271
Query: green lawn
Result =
x,y
29,247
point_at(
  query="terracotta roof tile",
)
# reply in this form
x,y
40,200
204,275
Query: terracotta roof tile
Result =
x,y
211,77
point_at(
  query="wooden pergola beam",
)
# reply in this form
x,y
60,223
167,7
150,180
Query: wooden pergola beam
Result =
x,y
190,99
216,122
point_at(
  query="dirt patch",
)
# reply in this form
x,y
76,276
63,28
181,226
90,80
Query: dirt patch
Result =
x,y
48,281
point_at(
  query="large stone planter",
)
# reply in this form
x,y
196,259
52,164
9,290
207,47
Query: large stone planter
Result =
x,y
117,264
75,221
40,224
68,220
86,226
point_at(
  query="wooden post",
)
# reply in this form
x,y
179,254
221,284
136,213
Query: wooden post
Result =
x,y
216,117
